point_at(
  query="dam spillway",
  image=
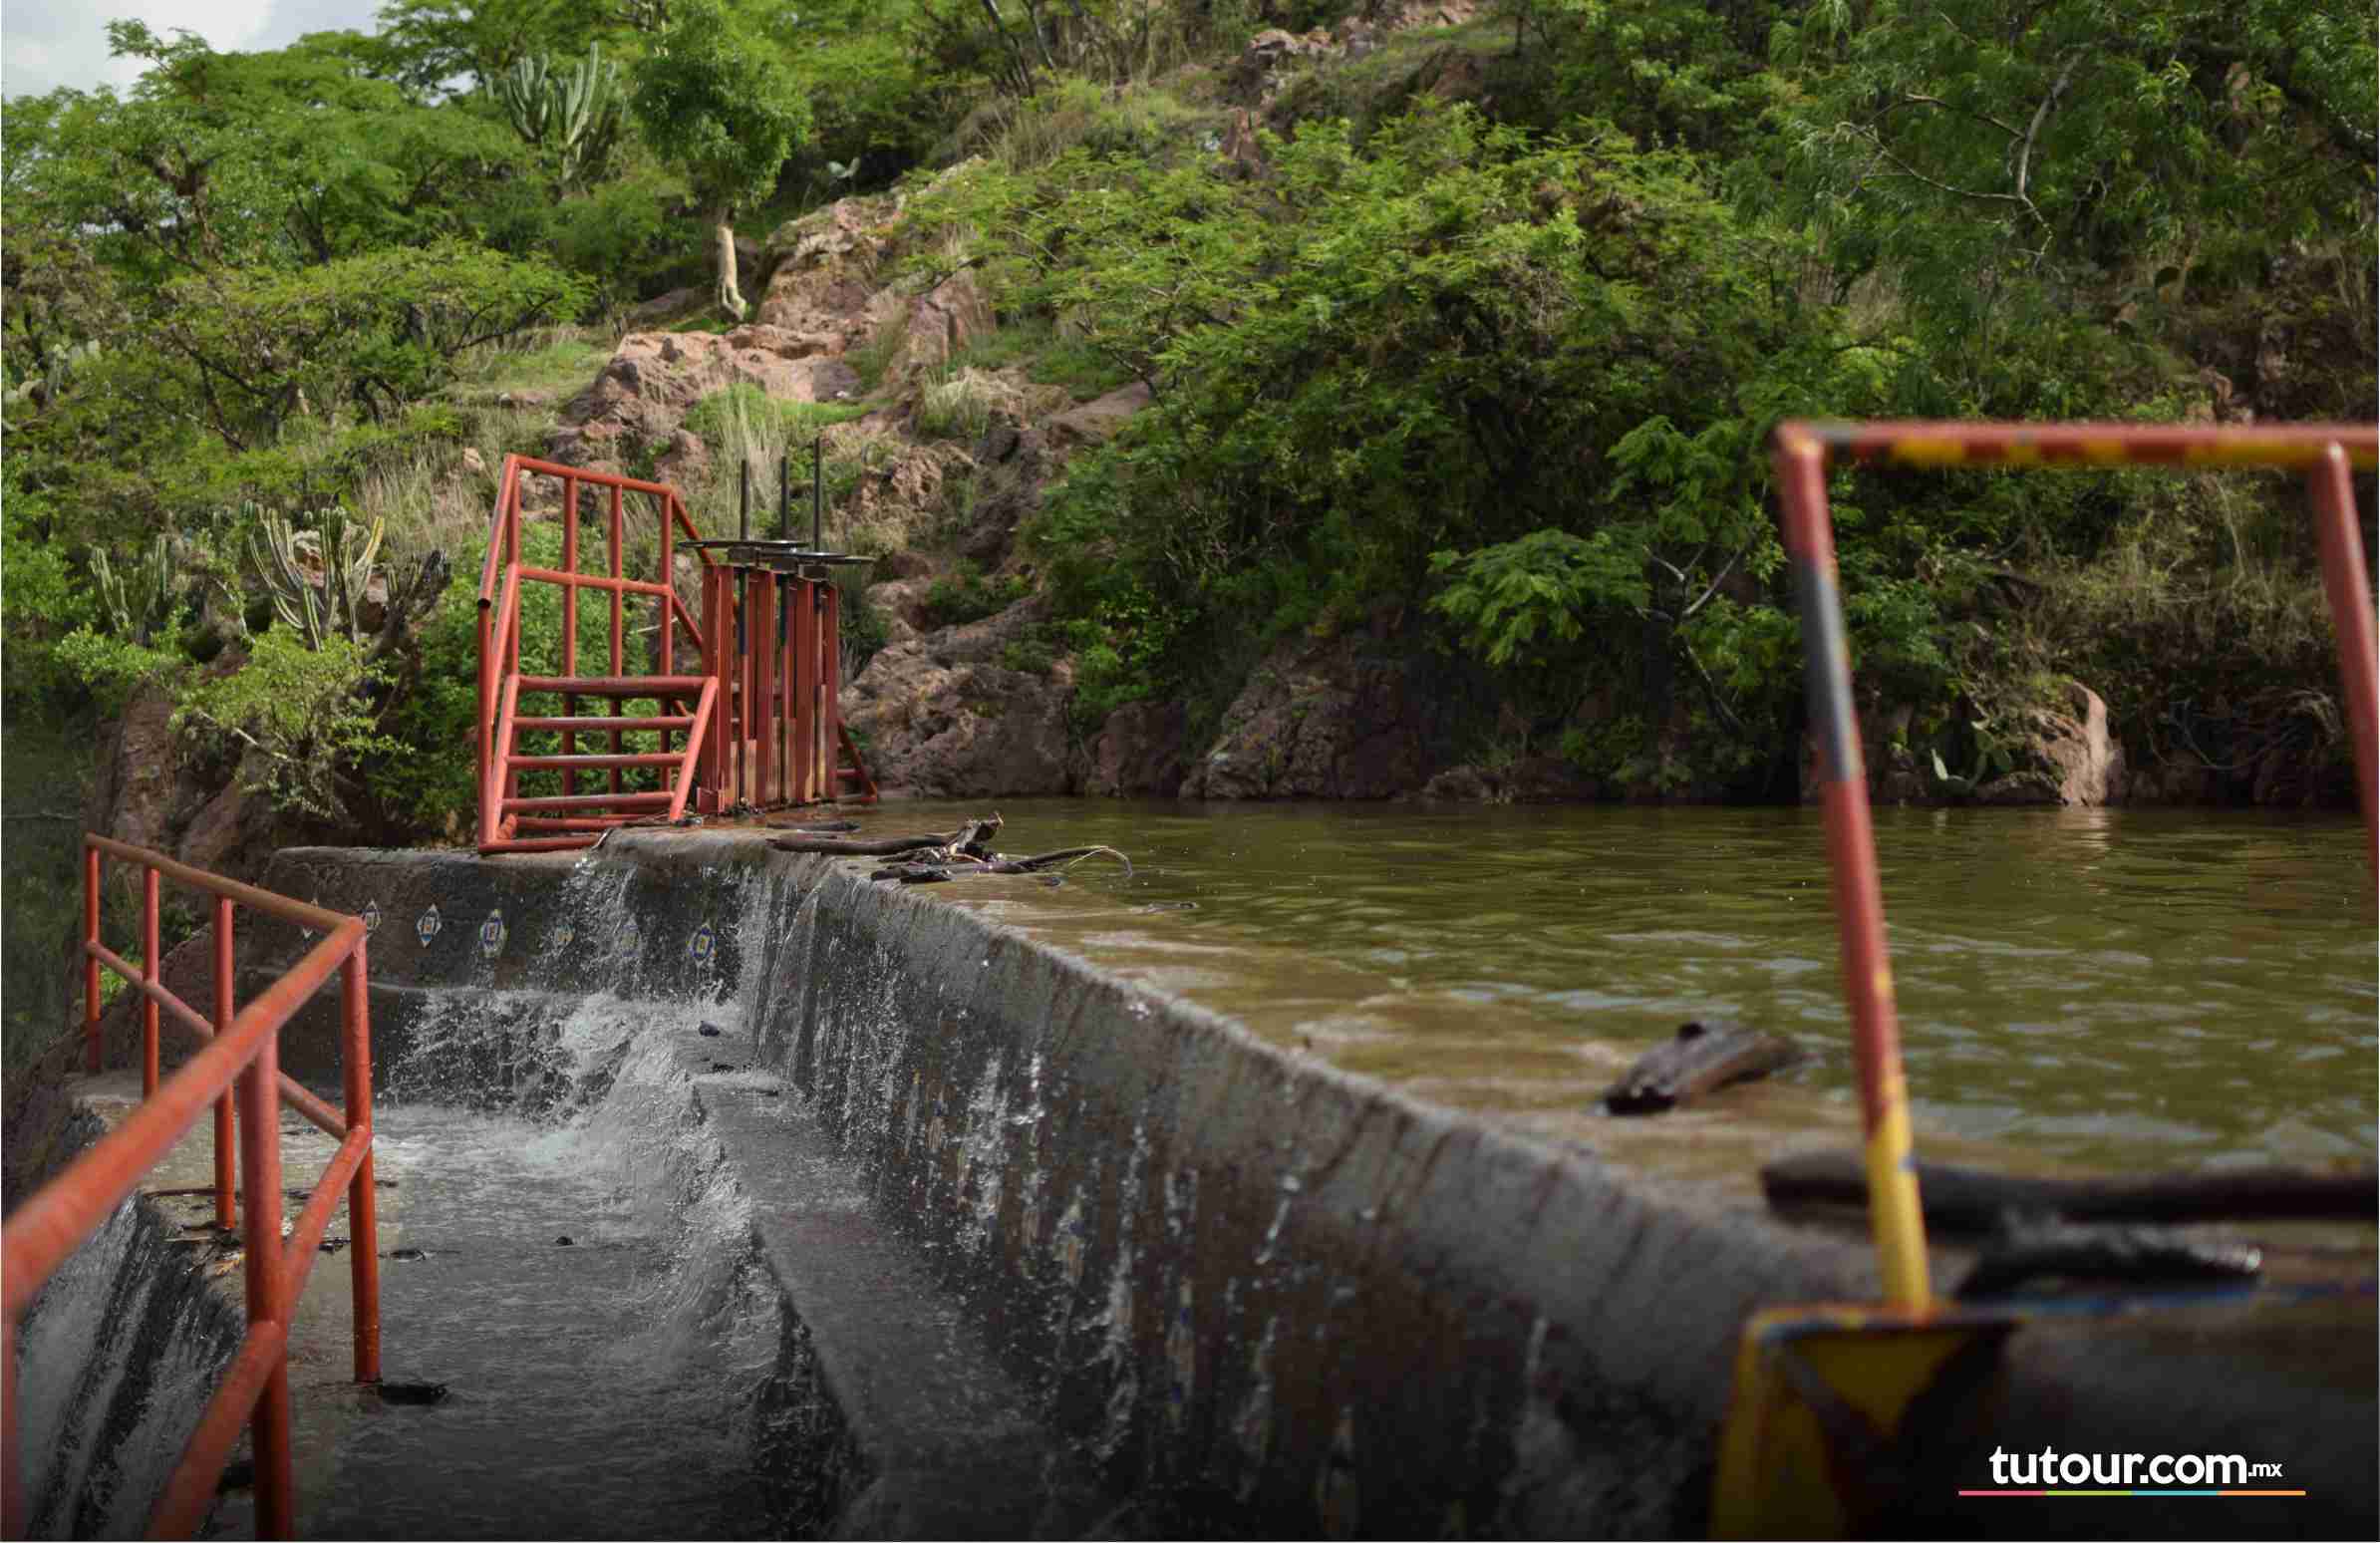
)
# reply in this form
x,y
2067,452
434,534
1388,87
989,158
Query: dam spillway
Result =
x,y
982,1239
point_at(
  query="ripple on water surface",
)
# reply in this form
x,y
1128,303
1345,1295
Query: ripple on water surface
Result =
x,y
2097,987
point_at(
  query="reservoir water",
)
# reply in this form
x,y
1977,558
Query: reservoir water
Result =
x,y
2078,987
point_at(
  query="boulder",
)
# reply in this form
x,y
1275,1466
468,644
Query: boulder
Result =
x,y
686,464
1530,779
1094,422
1339,719
943,717
675,305
653,378
1140,752
2066,758
937,324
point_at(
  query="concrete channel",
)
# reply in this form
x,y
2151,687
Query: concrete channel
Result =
x,y
1054,1255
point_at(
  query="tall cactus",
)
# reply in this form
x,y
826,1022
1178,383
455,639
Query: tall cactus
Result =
x,y
344,548
140,596
573,115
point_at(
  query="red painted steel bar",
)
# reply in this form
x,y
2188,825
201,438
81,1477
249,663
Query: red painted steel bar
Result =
x,y
1850,855
807,646
225,1124
616,538
801,687
1919,444
570,627
2348,586
260,1176
765,664
714,667
91,969
831,693
363,1200
149,983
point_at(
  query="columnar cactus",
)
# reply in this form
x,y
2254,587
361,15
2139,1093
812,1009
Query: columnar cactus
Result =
x,y
345,550
142,595
573,113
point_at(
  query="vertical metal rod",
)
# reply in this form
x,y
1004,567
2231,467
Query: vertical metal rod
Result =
x,y
830,691
789,712
2348,587
784,496
363,1205
764,714
90,966
226,1125
742,697
666,607
619,541
743,501
805,689
570,627
819,495
260,1178
148,974
708,771
1857,892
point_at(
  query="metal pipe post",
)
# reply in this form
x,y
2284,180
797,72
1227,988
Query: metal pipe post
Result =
x,y
1857,892
363,1205
148,975
226,1125
260,1178
819,495
2348,587
90,966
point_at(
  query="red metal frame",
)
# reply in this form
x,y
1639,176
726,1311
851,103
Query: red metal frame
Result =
x,y
762,728
240,1048
2325,453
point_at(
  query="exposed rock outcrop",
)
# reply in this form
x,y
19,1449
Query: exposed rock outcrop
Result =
x,y
1341,719
655,377
1138,751
2074,761
942,717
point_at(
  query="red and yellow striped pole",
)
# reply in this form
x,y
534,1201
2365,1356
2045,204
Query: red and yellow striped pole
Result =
x,y
1892,1209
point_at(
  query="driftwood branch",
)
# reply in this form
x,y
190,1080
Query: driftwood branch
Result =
x,y
1982,1200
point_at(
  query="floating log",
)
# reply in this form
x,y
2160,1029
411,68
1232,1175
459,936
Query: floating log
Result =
x,y
1980,1200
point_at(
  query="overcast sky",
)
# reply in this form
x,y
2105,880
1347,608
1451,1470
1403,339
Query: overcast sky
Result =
x,y
45,44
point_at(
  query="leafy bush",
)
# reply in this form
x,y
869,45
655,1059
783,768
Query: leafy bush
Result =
x,y
967,596
297,719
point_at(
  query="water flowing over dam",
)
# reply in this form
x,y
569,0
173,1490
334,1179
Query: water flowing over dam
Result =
x,y
885,1218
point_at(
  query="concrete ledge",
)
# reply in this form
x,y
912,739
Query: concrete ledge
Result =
x,y
1251,1290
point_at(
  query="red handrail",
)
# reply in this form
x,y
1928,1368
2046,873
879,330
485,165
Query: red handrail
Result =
x,y
241,1047
2324,451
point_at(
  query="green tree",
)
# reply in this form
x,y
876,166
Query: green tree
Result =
x,y
714,96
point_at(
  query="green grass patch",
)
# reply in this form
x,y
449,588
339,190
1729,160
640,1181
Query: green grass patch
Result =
x,y
744,411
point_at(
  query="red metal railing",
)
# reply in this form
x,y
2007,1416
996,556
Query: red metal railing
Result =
x,y
240,1048
507,820
762,721
2325,453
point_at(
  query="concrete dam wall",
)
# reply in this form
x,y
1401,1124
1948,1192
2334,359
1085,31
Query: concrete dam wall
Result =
x,y
1061,1256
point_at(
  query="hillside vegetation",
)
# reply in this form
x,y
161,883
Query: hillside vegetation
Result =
x,y
1461,326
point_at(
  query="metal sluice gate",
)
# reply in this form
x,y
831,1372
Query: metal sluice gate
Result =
x,y
757,725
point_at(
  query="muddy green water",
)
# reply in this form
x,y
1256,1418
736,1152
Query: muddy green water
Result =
x,y
2077,988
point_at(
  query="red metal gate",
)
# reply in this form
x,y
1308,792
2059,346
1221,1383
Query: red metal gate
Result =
x,y
760,724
